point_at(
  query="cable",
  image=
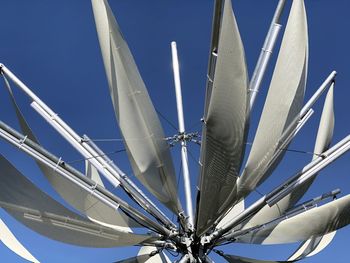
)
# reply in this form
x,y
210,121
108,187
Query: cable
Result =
x,y
107,140
95,156
193,158
292,150
167,120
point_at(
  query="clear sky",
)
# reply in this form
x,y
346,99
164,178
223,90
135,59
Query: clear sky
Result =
x,y
52,46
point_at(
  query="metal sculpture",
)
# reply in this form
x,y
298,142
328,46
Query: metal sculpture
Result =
x,y
220,215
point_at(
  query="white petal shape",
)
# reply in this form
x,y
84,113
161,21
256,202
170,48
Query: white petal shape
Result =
x,y
326,127
9,240
145,255
92,173
225,126
283,102
235,211
313,246
324,219
143,135
323,140
38,211
80,199
158,258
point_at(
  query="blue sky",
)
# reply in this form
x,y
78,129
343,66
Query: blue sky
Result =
x,y
52,46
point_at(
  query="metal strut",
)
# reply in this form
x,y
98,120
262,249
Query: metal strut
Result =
x,y
189,228
71,174
182,135
116,177
265,55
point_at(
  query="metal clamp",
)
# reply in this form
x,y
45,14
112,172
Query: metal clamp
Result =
x,y
21,141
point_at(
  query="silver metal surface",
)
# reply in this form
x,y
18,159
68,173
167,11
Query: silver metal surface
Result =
x,y
86,150
39,154
265,53
180,114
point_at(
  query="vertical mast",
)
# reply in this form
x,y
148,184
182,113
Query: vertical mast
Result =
x,y
180,114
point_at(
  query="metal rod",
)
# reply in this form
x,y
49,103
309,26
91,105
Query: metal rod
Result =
x,y
38,153
295,211
61,221
215,34
314,201
98,161
313,168
180,114
307,173
76,141
177,82
287,137
126,180
329,81
265,54
305,113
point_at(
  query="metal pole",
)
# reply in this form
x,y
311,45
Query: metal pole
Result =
x,y
126,180
313,168
265,53
180,114
103,167
88,152
38,153
307,173
297,210
329,81
305,113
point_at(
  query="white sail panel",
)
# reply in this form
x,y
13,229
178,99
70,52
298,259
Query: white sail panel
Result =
x,y
283,102
224,125
143,136
323,140
235,211
326,127
325,219
38,211
92,173
10,240
312,246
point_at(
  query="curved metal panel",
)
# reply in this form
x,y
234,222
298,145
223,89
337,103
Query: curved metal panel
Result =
x,y
224,130
143,135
